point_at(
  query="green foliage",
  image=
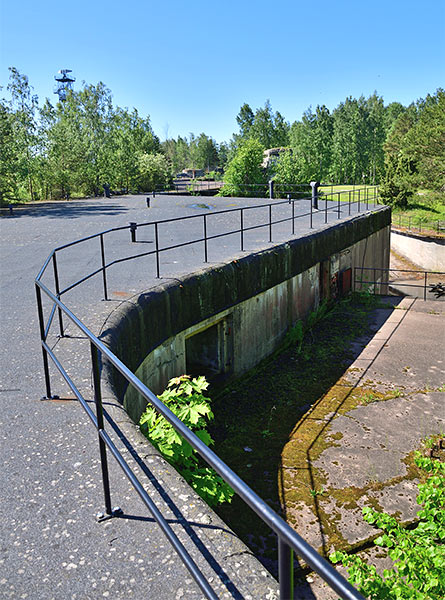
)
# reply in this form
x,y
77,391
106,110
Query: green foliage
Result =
x,y
418,554
244,169
184,397
154,172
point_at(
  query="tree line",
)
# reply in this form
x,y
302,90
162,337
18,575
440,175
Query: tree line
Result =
x,y
75,147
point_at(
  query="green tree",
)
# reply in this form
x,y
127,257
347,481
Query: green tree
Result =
x,y
154,171
245,170
24,106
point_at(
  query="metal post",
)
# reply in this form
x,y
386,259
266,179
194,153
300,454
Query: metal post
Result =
x,y
133,227
367,199
425,286
358,208
42,338
270,222
10,208
338,204
205,237
157,251
311,216
100,426
293,218
242,230
314,186
56,283
349,202
104,272
285,570
326,210
148,202
271,188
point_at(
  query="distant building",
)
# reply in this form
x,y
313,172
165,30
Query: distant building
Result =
x,y
272,155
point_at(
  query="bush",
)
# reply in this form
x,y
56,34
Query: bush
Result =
x,y
184,397
418,554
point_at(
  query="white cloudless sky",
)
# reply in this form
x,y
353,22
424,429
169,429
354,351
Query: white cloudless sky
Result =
x,y
191,65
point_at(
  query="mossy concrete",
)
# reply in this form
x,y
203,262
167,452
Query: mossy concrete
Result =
x,y
354,448
154,319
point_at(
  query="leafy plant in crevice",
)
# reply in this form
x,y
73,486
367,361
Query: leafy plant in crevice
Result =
x,y
184,397
418,554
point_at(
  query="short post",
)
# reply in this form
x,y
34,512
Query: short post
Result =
x,y
271,188
314,186
285,570
425,286
270,222
148,201
154,194
10,208
133,227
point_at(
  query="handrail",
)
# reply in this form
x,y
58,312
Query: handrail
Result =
x,y
377,284
288,539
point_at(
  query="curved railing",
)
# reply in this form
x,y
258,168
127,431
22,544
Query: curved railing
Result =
x,y
289,540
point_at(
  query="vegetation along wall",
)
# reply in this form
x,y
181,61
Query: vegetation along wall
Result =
x,y
222,320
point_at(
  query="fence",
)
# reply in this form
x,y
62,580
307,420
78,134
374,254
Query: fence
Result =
x,y
418,225
413,283
288,540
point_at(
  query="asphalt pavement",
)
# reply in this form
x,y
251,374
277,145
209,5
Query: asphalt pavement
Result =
x,y
51,546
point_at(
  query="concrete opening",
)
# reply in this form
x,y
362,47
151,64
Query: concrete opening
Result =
x,y
208,352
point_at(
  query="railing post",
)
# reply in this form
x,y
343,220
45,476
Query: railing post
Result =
x,y
425,286
242,229
42,338
349,202
270,223
205,237
100,426
326,210
133,227
271,188
314,186
358,207
338,204
285,570
104,273
312,209
293,217
56,283
157,251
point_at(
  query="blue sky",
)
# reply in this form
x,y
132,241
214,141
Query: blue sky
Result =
x,y
191,65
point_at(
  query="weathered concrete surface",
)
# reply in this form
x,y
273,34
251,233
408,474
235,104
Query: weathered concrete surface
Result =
x,y
274,286
358,454
427,252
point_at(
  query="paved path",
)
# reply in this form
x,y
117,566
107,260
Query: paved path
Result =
x,y
51,546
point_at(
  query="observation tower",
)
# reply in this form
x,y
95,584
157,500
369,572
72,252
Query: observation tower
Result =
x,y
64,83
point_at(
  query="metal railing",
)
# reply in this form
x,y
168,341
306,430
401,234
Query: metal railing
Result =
x,y
288,539
378,281
418,225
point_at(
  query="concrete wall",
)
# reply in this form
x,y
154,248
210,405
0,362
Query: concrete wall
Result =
x,y
241,310
426,252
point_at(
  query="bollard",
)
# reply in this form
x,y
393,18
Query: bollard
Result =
x,y
271,186
148,202
288,198
10,209
154,194
314,186
133,227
